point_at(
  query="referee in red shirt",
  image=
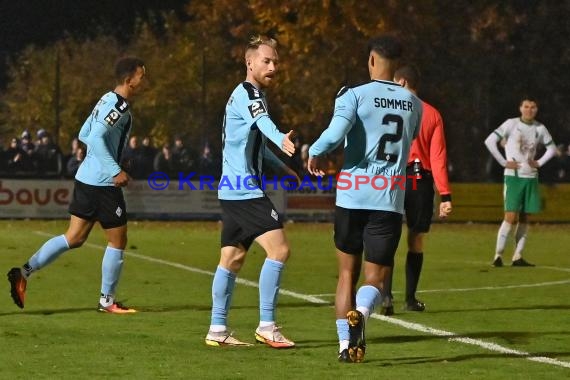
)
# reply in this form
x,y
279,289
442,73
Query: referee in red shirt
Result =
x,y
428,164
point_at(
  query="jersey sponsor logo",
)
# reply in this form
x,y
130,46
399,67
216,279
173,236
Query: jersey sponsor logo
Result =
x,y
257,108
112,117
122,106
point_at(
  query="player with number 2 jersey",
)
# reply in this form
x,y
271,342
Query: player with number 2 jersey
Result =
x,y
379,120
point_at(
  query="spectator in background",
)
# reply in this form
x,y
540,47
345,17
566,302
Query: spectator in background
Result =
x,y
17,161
74,162
48,157
163,161
26,143
207,164
147,154
182,158
73,146
131,160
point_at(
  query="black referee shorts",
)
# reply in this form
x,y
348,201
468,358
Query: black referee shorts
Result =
x,y
376,232
105,204
418,203
245,220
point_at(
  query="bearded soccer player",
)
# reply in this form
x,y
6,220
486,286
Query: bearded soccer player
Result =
x,y
97,193
521,192
377,121
247,213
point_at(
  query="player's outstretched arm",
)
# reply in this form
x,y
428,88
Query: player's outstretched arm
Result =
x,y
283,141
287,144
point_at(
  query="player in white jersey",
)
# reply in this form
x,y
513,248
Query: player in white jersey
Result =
x,y
522,135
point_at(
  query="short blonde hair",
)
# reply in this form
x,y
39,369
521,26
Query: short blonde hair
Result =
x,y
256,41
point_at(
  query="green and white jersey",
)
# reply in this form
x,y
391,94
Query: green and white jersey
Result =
x,y
522,141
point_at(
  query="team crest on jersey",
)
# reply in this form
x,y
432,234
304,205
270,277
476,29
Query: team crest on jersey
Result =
x,y
256,108
112,117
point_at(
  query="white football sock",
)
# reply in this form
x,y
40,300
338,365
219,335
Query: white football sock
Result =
x,y
520,240
502,237
218,328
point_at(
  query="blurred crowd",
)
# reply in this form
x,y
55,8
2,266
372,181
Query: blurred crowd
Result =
x,y
38,156
28,156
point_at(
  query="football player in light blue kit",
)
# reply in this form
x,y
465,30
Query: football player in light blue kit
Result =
x,y
247,213
97,193
377,122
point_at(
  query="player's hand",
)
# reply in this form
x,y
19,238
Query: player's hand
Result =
x,y
444,209
512,165
122,179
287,144
533,164
314,166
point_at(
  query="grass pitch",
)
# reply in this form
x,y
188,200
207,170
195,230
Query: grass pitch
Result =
x,y
480,322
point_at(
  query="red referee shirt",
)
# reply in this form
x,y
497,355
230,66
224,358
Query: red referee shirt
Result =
x,y
430,148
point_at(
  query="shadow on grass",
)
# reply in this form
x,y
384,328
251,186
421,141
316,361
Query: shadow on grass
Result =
x,y
509,336
503,308
459,358
158,308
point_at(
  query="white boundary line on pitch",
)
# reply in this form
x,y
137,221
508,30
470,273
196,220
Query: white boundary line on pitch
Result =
x,y
557,269
452,337
454,290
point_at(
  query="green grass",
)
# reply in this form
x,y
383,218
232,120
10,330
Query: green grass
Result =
x,y
60,335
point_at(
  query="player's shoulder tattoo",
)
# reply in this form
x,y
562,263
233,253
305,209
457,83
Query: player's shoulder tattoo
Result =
x,y
252,91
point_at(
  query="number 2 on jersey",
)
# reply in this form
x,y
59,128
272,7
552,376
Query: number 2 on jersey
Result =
x,y
390,137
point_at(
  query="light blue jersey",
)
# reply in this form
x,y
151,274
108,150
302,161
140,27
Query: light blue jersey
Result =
x,y
105,133
246,128
378,121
